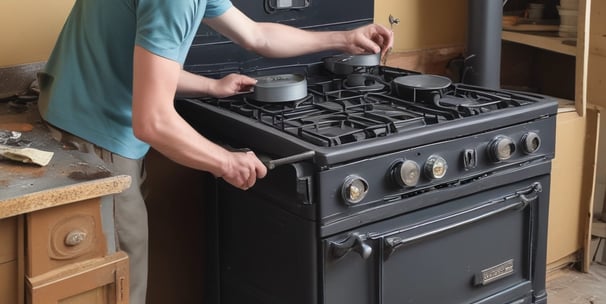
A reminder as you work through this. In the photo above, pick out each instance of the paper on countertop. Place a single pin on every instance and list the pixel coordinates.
(26, 155)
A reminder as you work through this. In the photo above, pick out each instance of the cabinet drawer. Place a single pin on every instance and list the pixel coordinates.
(8, 239)
(95, 281)
(64, 235)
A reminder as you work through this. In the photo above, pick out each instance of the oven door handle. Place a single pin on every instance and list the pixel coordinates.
(354, 242)
(524, 197)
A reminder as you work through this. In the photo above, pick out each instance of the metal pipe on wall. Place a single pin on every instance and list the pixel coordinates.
(484, 43)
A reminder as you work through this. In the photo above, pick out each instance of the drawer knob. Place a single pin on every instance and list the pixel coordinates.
(75, 237)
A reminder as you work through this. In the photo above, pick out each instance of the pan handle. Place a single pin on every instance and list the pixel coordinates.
(272, 163)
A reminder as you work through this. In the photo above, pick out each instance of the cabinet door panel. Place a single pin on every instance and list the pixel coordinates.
(8, 239)
(96, 281)
(8, 282)
(64, 235)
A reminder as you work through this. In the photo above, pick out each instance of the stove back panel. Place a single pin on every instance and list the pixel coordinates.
(214, 55)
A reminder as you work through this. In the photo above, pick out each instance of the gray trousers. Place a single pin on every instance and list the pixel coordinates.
(130, 212)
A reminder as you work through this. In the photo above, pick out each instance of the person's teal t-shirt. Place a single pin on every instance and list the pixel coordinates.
(86, 86)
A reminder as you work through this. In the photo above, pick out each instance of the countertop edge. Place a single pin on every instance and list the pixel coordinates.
(63, 195)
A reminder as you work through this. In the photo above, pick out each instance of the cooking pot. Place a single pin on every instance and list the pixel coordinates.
(346, 64)
(422, 87)
(280, 88)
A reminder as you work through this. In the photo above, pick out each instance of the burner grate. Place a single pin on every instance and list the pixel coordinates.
(342, 109)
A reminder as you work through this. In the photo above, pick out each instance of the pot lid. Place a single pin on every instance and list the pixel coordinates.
(423, 81)
(356, 60)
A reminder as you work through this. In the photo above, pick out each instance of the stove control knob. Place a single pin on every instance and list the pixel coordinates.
(436, 167)
(501, 148)
(406, 173)
(531, 142)
(354, 189)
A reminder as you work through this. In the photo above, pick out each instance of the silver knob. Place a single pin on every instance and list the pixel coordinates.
(406, 173)
(354, 189)
(501, 148)
(531, 142)
(75, 238)
(436, 167)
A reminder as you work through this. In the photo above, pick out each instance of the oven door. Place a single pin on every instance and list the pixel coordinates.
(488, 247)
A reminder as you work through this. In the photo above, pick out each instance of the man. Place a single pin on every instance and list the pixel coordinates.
(109, 85)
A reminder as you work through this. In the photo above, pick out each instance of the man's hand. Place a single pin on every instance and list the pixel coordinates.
(243, 169)
(369, 39)
(231, 84)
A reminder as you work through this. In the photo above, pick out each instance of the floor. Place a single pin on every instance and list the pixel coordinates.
(573, 287)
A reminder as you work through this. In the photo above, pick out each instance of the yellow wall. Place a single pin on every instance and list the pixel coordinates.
(424, 23)
(29, 29)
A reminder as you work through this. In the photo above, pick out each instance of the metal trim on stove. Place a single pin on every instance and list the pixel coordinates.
(284, 144)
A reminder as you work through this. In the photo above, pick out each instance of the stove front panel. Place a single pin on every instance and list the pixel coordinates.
(469, 161)
(488, 247)
(485, 247)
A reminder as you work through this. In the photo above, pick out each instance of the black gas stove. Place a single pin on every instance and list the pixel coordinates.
(400, 187)
(375, 113)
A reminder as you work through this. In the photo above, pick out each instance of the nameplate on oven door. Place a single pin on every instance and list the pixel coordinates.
(495, 273)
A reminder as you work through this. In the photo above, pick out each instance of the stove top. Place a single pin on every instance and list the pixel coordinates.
(368, 107)
(373, 103)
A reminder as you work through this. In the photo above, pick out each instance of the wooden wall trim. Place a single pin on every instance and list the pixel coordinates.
(428, 61)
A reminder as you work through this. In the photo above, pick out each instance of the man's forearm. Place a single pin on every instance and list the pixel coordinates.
(191, 85)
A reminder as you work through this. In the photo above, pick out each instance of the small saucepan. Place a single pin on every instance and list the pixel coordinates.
(421, 87)
(346, 64)
(280, 88)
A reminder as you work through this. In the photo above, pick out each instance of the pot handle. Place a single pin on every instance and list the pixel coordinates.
(272, 163)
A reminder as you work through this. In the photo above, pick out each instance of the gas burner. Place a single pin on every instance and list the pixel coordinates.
(364, 82)
(469, 100)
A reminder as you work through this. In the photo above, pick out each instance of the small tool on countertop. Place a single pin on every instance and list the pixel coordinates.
(392, 21)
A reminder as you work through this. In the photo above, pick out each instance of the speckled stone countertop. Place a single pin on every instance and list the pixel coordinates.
(70, 176)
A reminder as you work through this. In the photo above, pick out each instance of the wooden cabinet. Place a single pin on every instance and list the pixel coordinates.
(547, 63)
(67, 257)
(56, 226)
(60, 254)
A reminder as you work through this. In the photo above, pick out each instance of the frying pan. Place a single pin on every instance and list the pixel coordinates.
(280, 88)
(418, 87)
